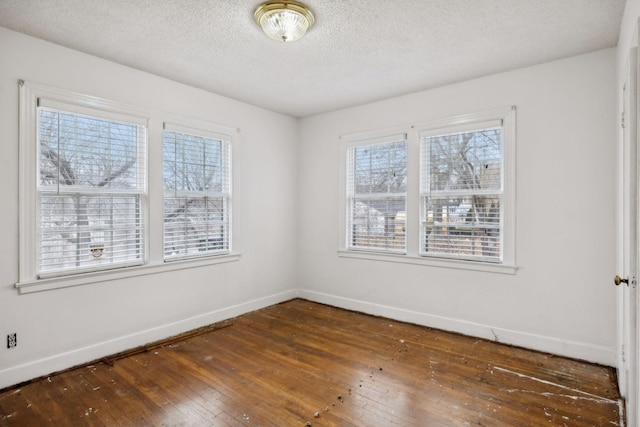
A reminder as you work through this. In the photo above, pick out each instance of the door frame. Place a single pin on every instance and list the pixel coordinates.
(628, 264)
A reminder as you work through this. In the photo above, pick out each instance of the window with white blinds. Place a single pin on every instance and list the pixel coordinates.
(101, 182)
(376, 195)
(439, 193)
(462, 189)
(197, 193)
(91, 189)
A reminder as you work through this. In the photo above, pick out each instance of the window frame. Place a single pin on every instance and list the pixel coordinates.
(428, 194)
(507, 115)
(351, 195)
(226, 193)
(28, 280)
(139, 191)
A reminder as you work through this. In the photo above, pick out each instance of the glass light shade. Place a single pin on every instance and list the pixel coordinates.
(284, 21)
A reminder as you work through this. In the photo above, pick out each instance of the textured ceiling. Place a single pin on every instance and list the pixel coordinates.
(358, 51)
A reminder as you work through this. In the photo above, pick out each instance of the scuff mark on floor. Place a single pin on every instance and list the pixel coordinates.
(592, 396)
(602, 400)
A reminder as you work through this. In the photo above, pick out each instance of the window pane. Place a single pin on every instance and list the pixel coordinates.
(465, 227)
(85, 230)
(83, 151)
(380, 168)
(193, 163)
(378, 223)
(463, 161)
(195, 225)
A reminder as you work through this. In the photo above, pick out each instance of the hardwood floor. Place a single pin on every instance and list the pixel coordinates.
(300, 363)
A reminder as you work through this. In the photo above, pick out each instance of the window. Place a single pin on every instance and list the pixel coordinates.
(462, 191)
(439, 193)
(197, 193)
(376, 189)
(91, 190)
(103, 184)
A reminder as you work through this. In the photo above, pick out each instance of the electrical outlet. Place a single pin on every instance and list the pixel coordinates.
(12, 340)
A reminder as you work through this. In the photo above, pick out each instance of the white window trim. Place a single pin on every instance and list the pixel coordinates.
(366, 138)
(430, 262)
(412, 256)
(28, 280)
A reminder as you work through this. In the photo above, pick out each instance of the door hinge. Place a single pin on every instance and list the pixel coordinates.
(622, 120)
(622, 353)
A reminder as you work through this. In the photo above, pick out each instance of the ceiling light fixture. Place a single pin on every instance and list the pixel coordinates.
(284, 21)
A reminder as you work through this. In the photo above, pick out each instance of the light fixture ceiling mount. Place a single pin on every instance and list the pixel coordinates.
(284, 21)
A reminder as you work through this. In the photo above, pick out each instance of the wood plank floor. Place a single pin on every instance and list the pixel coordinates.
(300, 363)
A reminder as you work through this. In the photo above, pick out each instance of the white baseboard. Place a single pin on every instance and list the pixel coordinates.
(576, 350)
(59, 362)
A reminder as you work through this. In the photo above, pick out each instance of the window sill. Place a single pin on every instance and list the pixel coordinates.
(38, 285)
(431, 262)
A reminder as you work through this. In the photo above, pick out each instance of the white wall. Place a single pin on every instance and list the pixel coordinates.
(561, 299)
(60, 328)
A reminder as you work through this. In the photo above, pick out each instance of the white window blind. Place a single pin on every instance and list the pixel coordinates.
(376, 193)
(197, 194)
(462, 193)
(91, 191)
